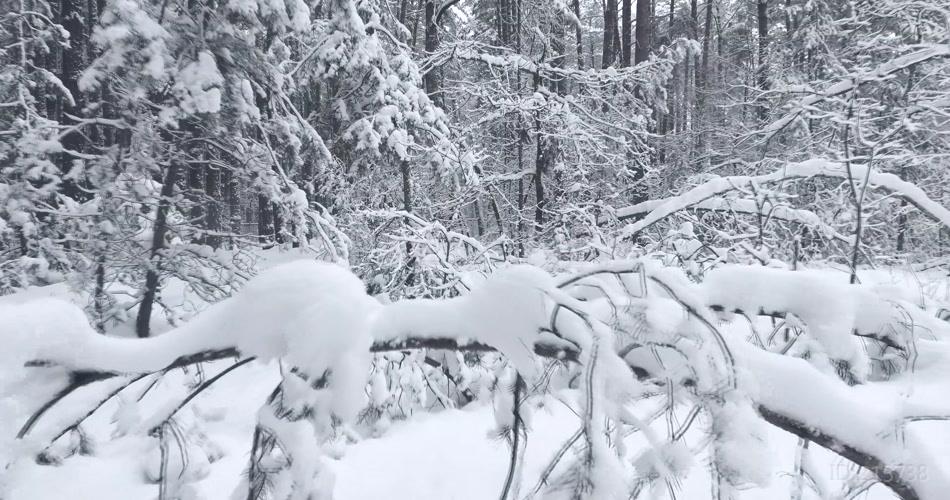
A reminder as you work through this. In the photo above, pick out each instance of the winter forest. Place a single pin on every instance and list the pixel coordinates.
(474, 249)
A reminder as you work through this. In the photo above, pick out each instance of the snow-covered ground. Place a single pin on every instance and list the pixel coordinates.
(451, 455)
(448, 454)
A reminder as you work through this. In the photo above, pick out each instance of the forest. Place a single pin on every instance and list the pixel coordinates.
(515, 249)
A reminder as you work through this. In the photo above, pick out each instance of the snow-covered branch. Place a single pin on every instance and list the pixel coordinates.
(739, 206)
(818, 167)
(879, 73)
(325, 325)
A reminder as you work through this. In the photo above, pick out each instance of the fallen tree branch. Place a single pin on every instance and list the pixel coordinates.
(818, 167)
(886, 459)
(201, 388)
(737, 206)
(82, 378)
(885, 339)
(879, 73)
(887, 474)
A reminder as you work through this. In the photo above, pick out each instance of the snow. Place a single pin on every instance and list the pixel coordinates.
(39, 329)
(831, 311)
(816, 167)
(743, 206)
(317, 317)
(449, 455)
(507, 311)
(794, 388)
(838, 88)
(197, 86)
(318, 304)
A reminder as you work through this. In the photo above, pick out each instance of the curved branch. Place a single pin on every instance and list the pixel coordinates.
(888, 340)
(443, 9)
(845, 425)
(888, 474)
(79, 379)
(818, 167)
(854, 81)
(201, 388)
(76, 380)
(739, 206)
(550, 350)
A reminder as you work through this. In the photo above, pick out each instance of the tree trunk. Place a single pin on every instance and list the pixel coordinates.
(415, 24)
(501, 10)
(902, 227)
(626, 25)
(407, 207)
(579, 35)
(788, 20)
(152, 276)
(540, 166)
(762, 11)
(402, 11)
(72, 13)
(610, 28)
(278, 223)
(702, 81)
(99, 294)
(431, 76)
(643, 32)
(264, 232)
(212, 220)
(559, 53)
(196, 196)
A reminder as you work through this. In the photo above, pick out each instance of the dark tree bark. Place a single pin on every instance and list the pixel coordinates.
(540, 166)
(196, 195)
(578, 35)
(402, 11)
(159, 230)
(415, 23)
(559, 53)
(788, 20)
(405, 170)
(431, 76)
(703, 77)
(610, 34)
(902, 227)
(264, 231)
(762, 76)
(702, 80)
(278, 224)
(212, 221)
(501, 8)
(644, 32)
(626, 40)
(73, 15)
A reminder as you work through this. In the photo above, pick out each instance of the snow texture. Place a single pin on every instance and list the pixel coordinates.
(818, 167)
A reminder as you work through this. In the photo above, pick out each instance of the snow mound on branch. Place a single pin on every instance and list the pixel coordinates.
(47, 328)
(285, 312)
(197, 85)
(41, 329)
(313, 315)
(506, 311)
(833, 310)
(44, 329)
